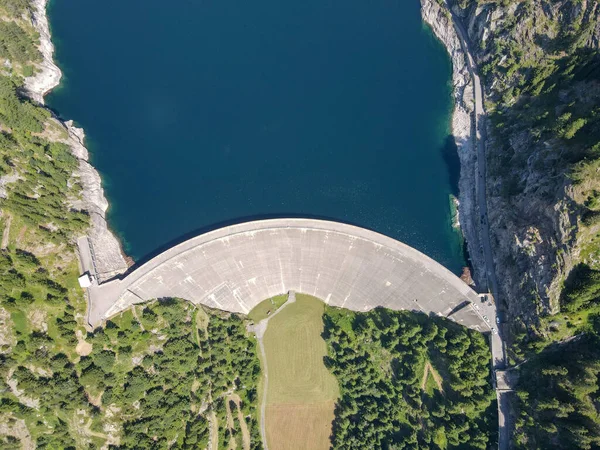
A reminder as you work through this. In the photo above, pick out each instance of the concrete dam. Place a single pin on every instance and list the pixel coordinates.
(236, 267)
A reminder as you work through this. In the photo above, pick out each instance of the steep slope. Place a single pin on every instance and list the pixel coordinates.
(540, 65)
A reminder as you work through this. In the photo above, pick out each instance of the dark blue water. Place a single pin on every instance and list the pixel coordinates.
(199, 112)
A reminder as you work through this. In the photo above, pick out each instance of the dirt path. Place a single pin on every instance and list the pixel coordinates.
(84, 428)
(6, 231)
(17, 429)
(429, 370)
(83, 347)
(259, 330)
(21, 234)
(243, 426)
(230, 424)
(213, 435)
(201, 323)
(135, 315)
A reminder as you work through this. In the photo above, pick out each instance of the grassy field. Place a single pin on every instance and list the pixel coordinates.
(266, 308)
(302, 392)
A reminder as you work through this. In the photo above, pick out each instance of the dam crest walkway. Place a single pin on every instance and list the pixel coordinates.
(236, 267)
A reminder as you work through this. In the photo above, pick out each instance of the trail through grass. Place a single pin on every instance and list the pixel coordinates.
(301, 392)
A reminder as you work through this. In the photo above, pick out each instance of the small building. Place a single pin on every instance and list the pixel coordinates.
(85, 280)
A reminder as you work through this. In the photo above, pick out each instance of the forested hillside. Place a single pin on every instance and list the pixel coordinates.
(409, 381)
(540, 64)
(165, 375)
(558, 396)
(541, 67)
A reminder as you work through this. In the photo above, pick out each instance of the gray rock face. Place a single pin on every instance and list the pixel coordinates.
(109, 257)
(48, 75)
(236, 267)
(533, 212)
(462, 129)
(107, 249)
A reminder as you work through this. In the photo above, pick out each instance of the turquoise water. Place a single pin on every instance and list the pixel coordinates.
(202, 112)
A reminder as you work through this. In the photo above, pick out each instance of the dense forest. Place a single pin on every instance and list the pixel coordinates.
(158, 376)
(381, 360)
(558, 395)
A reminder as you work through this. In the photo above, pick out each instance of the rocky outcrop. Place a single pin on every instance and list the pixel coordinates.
(109, 257)
(533, 214)
(440, 22)
(48, 74)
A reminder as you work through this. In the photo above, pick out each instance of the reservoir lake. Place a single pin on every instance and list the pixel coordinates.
(201, 113)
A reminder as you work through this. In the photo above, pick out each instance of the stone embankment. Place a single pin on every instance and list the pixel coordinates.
(109, 258)
(441, 24)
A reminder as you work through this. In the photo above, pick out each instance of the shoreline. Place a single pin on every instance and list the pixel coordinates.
(440, 23)
(108, 253)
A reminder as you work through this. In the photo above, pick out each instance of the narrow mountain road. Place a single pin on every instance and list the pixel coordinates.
(481, 136)
(497, 344)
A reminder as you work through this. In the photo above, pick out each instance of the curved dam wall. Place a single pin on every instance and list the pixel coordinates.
(236, 267)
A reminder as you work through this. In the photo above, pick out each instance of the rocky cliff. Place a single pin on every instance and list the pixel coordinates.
(109, 257)
(440, 22)
(539, 66)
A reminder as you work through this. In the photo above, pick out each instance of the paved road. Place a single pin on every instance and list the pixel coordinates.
(481, 136)
(487, 309)
(497, 345)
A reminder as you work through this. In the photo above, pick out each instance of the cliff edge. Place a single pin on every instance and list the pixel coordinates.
(109, 257)
(540, 66)
(438, 18)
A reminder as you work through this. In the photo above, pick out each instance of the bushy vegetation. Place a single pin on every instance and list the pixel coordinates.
(43, 169)
(17, 45)
(24, 281)
(153, 379)
(16, 8)
(18, 114)
(379, 360)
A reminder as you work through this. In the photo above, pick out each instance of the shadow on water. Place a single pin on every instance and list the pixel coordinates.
(226, 223)
(450, 156)
(452, 161)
